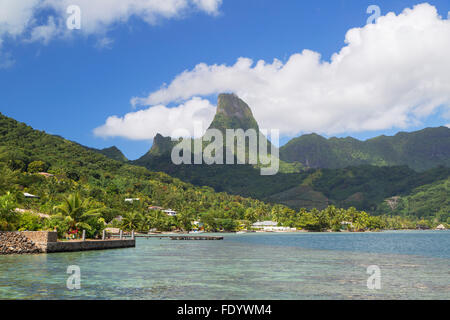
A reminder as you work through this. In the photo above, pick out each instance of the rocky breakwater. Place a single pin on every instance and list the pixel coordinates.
(16, 243)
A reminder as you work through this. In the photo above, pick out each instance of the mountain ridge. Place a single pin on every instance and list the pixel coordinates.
(364, 187)
(421, 150)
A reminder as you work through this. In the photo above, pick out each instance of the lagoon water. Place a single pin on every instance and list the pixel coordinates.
(413, 264)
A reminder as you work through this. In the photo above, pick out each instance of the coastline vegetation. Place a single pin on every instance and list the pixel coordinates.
(76, 188)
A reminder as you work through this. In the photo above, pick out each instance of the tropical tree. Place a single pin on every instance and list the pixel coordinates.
(184, 219)
(361, 221)
(132, 221)
(8, 217)
(77, 212)
(6, 178)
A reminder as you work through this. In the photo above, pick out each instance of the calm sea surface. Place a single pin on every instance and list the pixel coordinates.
(414, 265)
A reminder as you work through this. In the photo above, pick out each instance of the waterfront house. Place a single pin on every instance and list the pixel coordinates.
(263, 224)
(440, 227)
(270, 226)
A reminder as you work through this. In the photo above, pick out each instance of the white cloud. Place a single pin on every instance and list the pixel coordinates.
(19, 18)
(45, 33)
(145, 124)
(15, 16)
(390, 74)
(99, 15)
(210, 6)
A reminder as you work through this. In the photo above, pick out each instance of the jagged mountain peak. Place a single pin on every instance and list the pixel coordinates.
(233, 113)
(161, 145)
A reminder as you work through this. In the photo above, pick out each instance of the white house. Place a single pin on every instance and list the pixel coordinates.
(264, 224)
(131, 199)
(271, 226)
(30, 196)
(170, 213)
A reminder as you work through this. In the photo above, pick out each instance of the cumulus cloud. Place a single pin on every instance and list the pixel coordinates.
(45, 33)
(15, 16)
(210, 6)
(19, 19)
(389, 74)
(99, 15)
(145, 124)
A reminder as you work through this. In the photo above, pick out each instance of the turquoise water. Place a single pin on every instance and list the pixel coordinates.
(414, 265)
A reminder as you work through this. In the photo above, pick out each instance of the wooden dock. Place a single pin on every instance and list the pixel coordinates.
(173, 237)
(195, 238)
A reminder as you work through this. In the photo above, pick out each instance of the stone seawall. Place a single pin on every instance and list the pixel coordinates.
(41, 237)
(47, 242)
(17, 243)
(70, 246)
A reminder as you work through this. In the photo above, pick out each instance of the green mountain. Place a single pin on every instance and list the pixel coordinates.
(112, 153)
(420, 150)
(24, 152)
(161, 146)
(332, 175)
(233, 113)
(427, 201)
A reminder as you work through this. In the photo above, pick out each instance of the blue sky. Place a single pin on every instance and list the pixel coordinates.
(70, 86)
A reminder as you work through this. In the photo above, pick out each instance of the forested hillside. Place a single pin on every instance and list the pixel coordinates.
(79, 188)
(25, 152)
(420, 150)
(318, 172)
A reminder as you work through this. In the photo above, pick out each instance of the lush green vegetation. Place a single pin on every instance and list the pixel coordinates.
(431, 202)
(381, 169)
(367, 187)
(86, 190)
(420, 150)
(93, 176)
(364, 187)
(75, 214)
(332, 218)
(112, 153)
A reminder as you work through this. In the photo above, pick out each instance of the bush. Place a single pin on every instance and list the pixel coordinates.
(29, 222)
(8, 216)
(37, 166)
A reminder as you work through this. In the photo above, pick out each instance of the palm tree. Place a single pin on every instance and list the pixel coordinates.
(361, 221)
(77, 212)
(132, 221)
